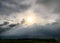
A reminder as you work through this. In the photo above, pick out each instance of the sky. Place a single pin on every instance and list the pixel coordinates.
(29, 19)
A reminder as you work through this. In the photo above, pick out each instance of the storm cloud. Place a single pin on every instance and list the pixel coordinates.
(48, 9)
(11, 6)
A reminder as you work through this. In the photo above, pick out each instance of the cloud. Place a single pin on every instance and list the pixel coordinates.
(6, 27)
(51, 6)
(46, 9)
(11, 6)
(34, 31)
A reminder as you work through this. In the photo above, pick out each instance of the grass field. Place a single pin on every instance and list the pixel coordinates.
(30, 41)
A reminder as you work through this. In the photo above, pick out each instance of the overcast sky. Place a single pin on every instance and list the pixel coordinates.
(48, 10)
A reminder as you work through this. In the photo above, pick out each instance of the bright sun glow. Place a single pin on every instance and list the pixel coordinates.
(32, 18)
(29, 17)
(29, 20)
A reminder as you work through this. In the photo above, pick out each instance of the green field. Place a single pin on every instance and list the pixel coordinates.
(30, 41)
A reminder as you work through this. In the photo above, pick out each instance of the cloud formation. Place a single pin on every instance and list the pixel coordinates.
(49, 10)
(11, 6)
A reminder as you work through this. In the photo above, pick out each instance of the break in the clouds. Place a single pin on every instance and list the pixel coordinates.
(47, 12)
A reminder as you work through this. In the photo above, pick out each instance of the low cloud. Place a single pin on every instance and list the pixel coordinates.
(34, 31)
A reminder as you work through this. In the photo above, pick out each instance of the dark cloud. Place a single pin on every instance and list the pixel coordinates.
(35, 31)
(5, 23)
(11, 6)
(46, 8)
(6, 26)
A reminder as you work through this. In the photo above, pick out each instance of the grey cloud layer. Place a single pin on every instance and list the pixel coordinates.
(11, 6)
(35, 31)
(46, 8)
(51, 5)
